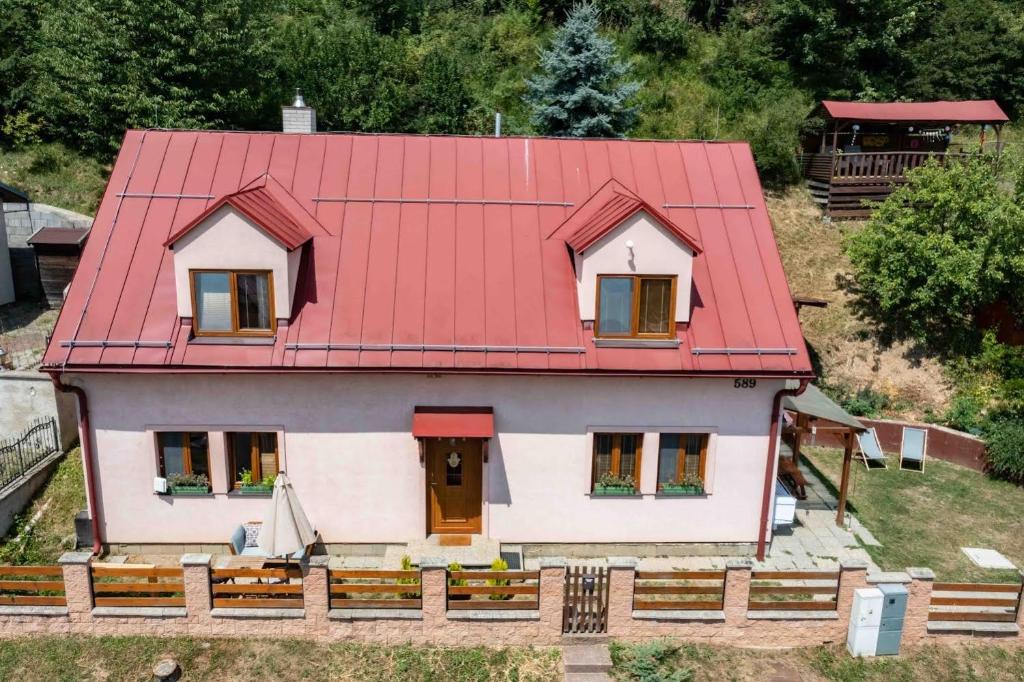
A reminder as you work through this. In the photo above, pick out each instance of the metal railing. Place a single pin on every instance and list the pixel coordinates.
(20, 453)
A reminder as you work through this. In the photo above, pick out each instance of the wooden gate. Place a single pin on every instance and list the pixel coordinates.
(586, 599)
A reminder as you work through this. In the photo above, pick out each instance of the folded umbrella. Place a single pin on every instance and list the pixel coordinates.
(285, 528)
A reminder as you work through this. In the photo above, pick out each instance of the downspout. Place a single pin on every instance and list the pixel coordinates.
(90, 480)
(769, 467)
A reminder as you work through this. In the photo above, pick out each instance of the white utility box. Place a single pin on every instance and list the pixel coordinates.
(865, 619)
(785, 506)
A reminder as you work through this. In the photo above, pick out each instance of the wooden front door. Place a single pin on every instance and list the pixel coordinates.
(454, 485)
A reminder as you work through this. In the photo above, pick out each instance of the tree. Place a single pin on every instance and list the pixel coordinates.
(938, 249)
(582, 89)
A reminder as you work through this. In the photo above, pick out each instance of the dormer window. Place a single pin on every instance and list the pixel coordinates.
(233, 302)
(635, 306)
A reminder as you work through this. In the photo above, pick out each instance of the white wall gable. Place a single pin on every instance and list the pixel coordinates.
(228, 240)
(656, 251)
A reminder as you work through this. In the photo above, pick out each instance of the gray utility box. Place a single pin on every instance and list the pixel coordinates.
(890, 630)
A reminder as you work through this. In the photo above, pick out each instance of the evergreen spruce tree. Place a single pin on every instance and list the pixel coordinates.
(582, 90)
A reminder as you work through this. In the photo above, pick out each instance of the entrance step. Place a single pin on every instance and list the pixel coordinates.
(587, 677)
(478, 552)
(587, 658)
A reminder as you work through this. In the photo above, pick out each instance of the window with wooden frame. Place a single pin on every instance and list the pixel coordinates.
(253, 452)
(617, 459)
(682, 459)
(636, 306)
(233, 302)
(183, 454)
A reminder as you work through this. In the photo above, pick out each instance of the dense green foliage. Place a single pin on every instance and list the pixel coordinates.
(79, 72)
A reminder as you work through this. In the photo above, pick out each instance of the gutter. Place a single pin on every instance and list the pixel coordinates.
(769, 466)
(86, 440)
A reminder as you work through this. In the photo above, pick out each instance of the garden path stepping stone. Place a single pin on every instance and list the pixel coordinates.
(987, 558)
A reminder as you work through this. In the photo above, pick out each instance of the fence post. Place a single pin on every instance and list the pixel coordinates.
(621, 579)
(552, 596)
(915, 622)
(77, 569)
(735, 602)
(316, 598)
(434, 592)
(198, 599)
(853, 575)
(1020, 607)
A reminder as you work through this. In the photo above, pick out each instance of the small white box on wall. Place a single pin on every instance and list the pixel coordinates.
(159, 485)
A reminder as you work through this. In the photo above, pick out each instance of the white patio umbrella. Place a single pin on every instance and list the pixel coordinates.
(285, 528)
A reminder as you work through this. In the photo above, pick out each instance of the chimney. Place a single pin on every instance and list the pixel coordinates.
(298, 118)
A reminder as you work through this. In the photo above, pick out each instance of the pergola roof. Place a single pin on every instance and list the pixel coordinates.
(972, 111)
(814, 403)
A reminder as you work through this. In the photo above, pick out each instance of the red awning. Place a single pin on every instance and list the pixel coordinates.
(453, 422)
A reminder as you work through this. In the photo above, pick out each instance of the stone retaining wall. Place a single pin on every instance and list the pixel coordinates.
(734, 625)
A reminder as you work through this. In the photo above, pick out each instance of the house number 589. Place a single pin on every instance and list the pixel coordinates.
(744, 383)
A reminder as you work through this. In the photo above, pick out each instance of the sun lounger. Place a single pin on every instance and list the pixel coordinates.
(912, 448)
(871, 450)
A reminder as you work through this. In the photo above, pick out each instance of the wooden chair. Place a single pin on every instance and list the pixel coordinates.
(870, 450)
(913, 448)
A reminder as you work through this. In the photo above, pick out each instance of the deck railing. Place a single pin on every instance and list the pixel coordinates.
(493, 590)
(678, 590)
(794, 590)
(256, 588)
(121, 585)
(20, 453)
(869, 165)
(375, 589)
(32, 586)
(978, 602)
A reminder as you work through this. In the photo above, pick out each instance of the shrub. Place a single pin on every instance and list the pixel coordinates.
(652, 662)
(864, 402)
(407, 566)
(499, 565)
(1005, 440)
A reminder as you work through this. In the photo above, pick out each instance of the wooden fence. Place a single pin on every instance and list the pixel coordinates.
(256, 588)
(678, 590)
(794, 591)
(989, 602)
(375, 589)
(132, 585)
(32, 586)
(493, 590)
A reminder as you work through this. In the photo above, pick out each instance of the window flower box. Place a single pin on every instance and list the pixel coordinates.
(255, 489)
(607, 489)
(190, 490)
(681, 489)
(188, 484)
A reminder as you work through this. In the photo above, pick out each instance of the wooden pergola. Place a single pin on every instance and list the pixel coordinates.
(814, 412)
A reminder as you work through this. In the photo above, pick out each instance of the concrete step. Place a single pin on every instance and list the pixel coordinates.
(587, 658)
(587, 677)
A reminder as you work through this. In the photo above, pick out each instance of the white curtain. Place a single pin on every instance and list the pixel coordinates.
(213, 301)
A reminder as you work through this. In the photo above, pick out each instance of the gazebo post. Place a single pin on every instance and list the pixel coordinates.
(844, 483)
(798, 434)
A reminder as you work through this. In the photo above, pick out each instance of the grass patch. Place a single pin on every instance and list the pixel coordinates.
(933, 663)
(53, 174)
(924, 519)
(53, 533)
(226, 660)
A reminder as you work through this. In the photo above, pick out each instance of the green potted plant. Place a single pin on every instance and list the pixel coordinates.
(499, 565)
(613, 484)
(248, 486)
(407, 566)
(188, 484)
(456, 582)
(691, 484)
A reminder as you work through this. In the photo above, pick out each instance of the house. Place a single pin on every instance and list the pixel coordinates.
(535, 341)
(12, 195)
(864, 149)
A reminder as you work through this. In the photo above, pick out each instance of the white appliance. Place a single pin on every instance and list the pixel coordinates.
(865, 619)
(159, 485)
(785, 506)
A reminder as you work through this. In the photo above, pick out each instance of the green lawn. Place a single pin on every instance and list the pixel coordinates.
(53, 174)
(924, 519)
(664, 662)
(225, 660)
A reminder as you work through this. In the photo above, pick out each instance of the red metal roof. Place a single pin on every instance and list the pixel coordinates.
(606, 210)
(268, 205)
(973, 111)
(429, 253)
(428, 422)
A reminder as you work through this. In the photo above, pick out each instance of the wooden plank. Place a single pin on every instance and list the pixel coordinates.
(792, 606)
(794, 575)
(976, 587)
(566, 604)
(470, 604)
(139, 601)
(238, 603)
(680, 575)
(973, 615)
(678, 605)
(32, 600)
(360, 573)
(257, 588)
(678, 589)
(31, 585)
(492, 589)
(118, 571)
(151, 588)
(376, 603)
(31, 570)
(265, 573)
(973, 601)
(495, 575)
(362, 588)
(792, 590)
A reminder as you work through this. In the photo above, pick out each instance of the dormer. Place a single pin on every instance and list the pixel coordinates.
(633, 265)
(236, 265)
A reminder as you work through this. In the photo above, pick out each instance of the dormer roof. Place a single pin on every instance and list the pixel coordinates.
(606, 209)
(267, 204)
